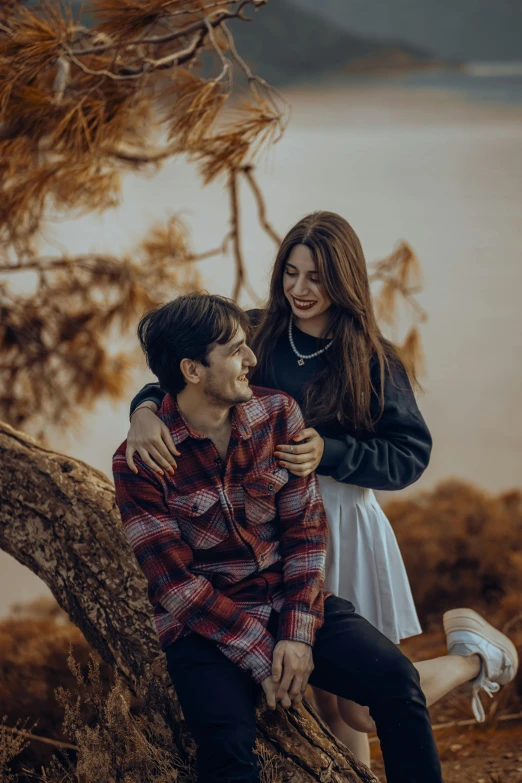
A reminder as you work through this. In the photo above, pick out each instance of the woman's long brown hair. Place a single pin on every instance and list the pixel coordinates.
(343, 389)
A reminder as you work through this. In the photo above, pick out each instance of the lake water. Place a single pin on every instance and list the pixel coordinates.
(408, 159)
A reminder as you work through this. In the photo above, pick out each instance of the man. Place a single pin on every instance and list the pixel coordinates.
(233, 548)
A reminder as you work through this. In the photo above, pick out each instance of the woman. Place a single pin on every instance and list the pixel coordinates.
(318, 340)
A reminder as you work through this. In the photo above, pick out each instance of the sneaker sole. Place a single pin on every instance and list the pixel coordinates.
(468, 620)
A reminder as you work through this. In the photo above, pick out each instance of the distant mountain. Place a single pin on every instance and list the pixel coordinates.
(287, 45)
(450, 29)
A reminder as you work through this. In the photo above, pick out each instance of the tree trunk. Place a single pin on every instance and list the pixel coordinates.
(60, 519)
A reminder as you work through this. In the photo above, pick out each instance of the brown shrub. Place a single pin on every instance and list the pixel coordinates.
(117, 742)
(462, 547)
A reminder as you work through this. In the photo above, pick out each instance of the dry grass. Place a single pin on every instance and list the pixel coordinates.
(11, 745)
(35, 643)
(50, 674)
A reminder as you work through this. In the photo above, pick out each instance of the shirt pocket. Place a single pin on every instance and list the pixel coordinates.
(200, 518)
(260, 495)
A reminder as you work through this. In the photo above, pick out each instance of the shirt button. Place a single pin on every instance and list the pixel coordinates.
(261, 557)
(195, 507)
(271, 487)
(217, 460)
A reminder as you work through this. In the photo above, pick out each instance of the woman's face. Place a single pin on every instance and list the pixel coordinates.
(301, 285)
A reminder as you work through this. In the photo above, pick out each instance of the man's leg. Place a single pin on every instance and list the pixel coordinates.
(218, 701)
(356, 661)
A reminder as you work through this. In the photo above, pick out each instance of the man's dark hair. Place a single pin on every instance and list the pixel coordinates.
(187, 328)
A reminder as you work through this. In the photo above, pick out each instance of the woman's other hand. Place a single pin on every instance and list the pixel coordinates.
(304, 458)
(150, 437)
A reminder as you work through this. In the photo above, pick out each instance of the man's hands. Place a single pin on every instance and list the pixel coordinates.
(292, 665)
(270, 688)
(304, 458)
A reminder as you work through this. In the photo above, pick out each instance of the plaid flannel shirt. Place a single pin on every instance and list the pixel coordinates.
(221, 545)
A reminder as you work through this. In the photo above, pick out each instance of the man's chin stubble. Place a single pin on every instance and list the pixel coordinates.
(245, 397)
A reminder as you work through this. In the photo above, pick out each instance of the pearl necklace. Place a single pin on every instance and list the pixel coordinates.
(303, 356)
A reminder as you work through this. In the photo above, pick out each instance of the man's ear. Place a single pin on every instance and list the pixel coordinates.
(191, 371)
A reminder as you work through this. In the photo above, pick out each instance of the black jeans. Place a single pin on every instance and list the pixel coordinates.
(352, 659)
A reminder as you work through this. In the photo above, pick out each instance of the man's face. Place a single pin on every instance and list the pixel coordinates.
(225, 381)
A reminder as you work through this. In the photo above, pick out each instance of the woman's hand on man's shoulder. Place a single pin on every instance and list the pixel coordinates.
(151, 438)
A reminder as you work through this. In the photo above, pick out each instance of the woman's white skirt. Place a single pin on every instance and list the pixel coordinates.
(363, 563)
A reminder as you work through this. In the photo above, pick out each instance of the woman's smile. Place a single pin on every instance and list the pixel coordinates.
(304, 304)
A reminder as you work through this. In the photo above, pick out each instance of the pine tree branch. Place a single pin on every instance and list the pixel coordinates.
(253, 79)
(139, 157)
(407, 292)
(178, 58)
(236, 235)
(184, 12)
(200, 26)
(248, 172)
(49, 263)
(227, 67)
(88, 261)
(217, 251)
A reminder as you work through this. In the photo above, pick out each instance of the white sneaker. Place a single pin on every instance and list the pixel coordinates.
(467, 633)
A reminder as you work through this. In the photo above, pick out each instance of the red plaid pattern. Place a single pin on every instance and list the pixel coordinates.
(223, 545)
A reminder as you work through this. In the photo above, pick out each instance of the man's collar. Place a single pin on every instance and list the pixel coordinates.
(245, 415)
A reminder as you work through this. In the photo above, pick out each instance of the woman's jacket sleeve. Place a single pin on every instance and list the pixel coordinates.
(152, 392)
(393, 455)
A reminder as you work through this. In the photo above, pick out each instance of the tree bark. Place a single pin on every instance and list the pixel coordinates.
(60, 519)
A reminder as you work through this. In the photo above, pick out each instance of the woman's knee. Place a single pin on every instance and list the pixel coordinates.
(326, 704)
(356, 716)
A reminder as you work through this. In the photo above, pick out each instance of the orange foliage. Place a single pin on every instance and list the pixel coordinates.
(54, 342)
(79, 106)
(72, 96)
(398, 280)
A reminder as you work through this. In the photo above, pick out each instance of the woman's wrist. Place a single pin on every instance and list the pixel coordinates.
(149, 404)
